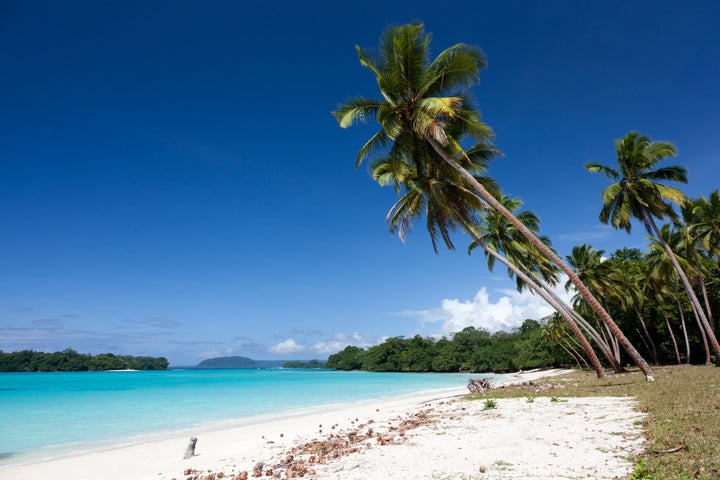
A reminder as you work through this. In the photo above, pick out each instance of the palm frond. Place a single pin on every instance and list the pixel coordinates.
(376, 142)
(455, 69)
(609, 172)
(673, 173)
(673, 194)
(356, 110)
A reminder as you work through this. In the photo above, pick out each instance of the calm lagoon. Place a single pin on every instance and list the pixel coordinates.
(43, 415)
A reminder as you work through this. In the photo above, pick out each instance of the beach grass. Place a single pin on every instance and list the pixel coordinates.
(682, 422)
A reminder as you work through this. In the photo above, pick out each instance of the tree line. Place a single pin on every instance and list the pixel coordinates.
(470, 350)
(309, 364)
(71, 361)
(434, 149)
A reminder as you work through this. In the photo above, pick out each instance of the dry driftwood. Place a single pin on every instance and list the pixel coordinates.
(190, 449)
(478, 385)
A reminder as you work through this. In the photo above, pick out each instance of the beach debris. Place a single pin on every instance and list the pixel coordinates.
(479, 385)
(190, 449)
(307, 457)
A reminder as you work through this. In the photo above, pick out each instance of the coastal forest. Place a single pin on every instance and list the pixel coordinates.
(433, 148)
(639, 293)
(470, 350)
(71, 361)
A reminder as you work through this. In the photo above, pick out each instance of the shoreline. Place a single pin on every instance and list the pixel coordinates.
(80, 449)
(232, 449)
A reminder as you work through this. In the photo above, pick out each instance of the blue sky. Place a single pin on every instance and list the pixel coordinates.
(172, 182)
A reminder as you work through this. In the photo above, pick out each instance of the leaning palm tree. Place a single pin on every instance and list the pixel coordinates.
(705, 223)
(702, 235)
(632, 294)
(595, 273)
(501, 241)
(637, 193)
(502, 236)
(446, 203)
(421, 99)
(555, 331)
(664, 278)
(659, 260)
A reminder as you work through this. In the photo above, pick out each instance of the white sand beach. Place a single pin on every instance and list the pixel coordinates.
(425, 436)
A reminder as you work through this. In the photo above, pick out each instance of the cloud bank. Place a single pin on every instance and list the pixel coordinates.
(506, 312)
(288, 346)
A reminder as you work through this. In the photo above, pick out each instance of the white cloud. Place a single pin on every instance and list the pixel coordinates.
(287, 346)
(339, 341)
(508, 311)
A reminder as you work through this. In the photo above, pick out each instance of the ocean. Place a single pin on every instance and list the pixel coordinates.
(46, 415)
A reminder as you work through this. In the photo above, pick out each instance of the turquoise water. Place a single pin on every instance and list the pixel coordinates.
(44, 414)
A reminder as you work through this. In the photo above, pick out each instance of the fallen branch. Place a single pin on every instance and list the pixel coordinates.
(669, 450)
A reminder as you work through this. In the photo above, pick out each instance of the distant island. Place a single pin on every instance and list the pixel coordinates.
(245, 362)
(228, 362)
(71, 361)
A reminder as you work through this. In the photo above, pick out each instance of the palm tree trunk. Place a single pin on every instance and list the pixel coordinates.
(614, 343)
(579, 356)
(672, 336)
(688, 288)
(653, 350)
(575, 355)
(599, 341)
(708, 358)
(487, 197)
(701, 278)
(642, 339)
(682, 323)
(599, 371)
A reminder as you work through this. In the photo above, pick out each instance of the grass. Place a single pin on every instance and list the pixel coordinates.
(682, 407)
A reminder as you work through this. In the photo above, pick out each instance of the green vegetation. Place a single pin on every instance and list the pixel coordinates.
(304, 364)
(433, 148)
(489, 404)
(682, 410)
(71, 361)
(469, 350)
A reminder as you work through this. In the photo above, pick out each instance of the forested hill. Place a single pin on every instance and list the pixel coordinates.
(228, 362)
(71, 361)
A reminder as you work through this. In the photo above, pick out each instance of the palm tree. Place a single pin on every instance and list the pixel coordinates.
(638, 194)
(662, 274)
(500, 235)
(659, 290)
(629, 276)
(705, 223)
(702, 218)
(660, 260)
(555, 331)
(421, 98)
(595, 273)
(496, 234)
(447, 203)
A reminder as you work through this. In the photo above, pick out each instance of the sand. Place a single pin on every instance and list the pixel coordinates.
(434, 435)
